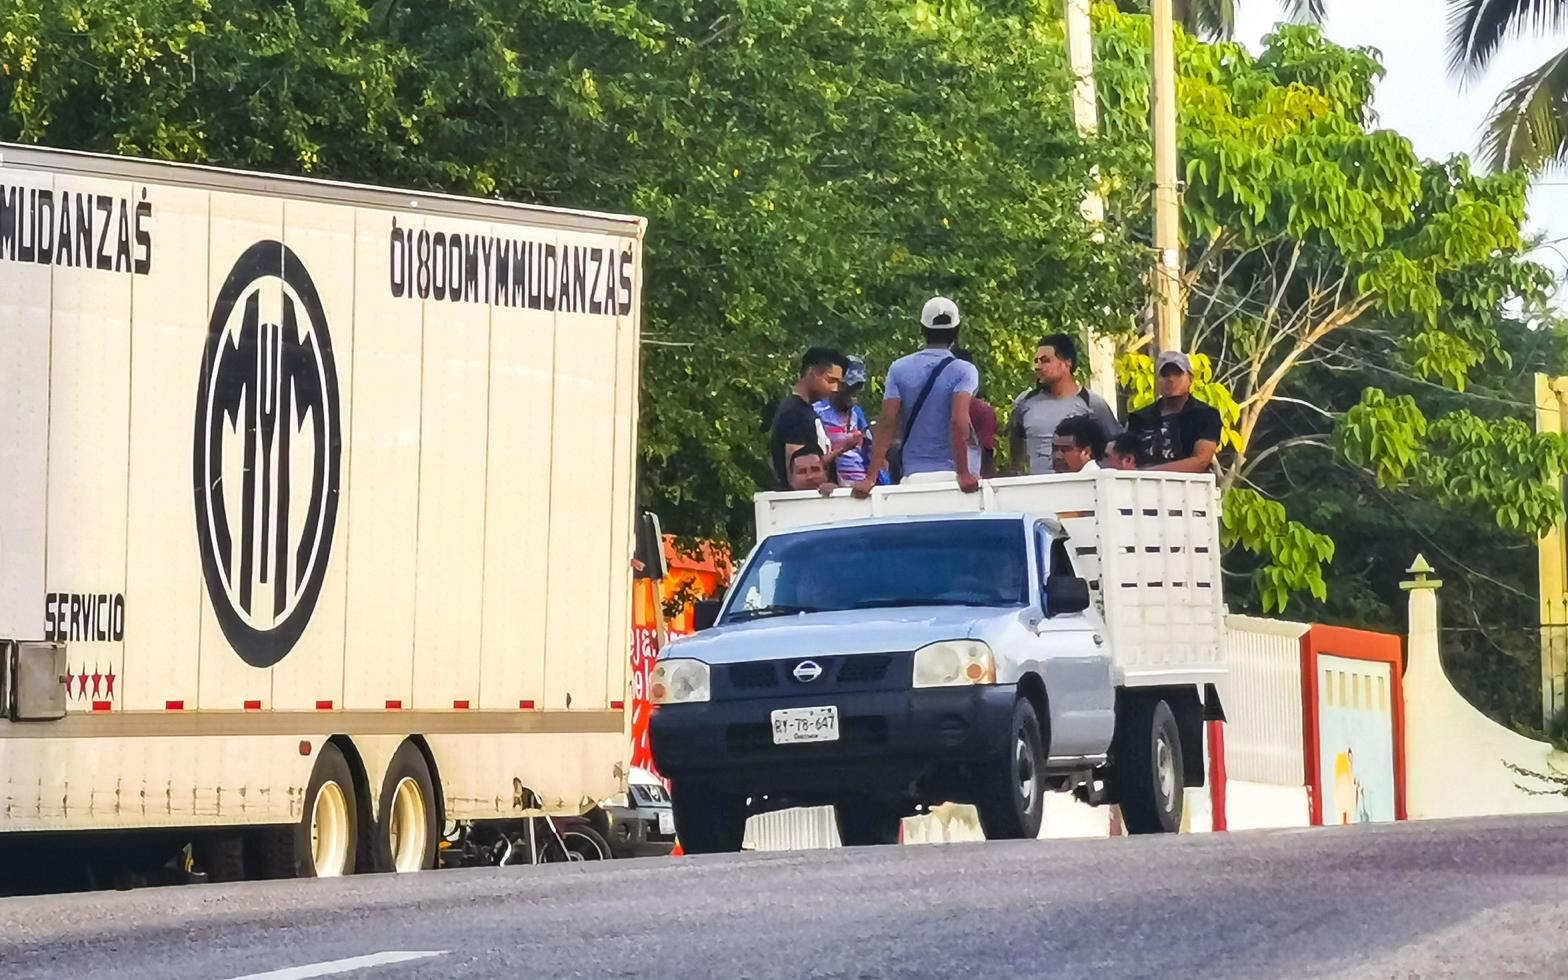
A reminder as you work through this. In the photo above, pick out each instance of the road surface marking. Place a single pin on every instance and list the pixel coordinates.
(343, 966)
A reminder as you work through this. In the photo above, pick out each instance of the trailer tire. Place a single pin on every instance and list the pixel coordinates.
(1148, 770)
(221, 857)
(707, 822)
(1010, 791)
(408, 829)
(867, 822)
(328, 830)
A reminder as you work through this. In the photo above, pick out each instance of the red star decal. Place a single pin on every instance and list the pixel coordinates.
(81, 682)
(70, 679)
(97, 680)
(108, 684)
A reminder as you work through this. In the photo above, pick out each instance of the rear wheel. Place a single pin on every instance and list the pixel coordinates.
(863, 822)
(707, 822)
(1010, 793)
(407, 825)
(1148, 771)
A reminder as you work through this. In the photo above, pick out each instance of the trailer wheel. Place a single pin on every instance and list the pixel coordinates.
(1148, 770)
(323, 843)
(867, 822)
(1010, 792)
(707, 822)
(407, 826)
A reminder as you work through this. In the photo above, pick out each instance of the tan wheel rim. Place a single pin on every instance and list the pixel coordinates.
(408, 826)
(329, 831)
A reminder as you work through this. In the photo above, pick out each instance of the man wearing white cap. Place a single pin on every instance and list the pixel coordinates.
(926, 403)
(1178, 432)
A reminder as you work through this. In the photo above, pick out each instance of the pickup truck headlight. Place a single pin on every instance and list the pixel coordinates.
(954, 663)
(679, 681)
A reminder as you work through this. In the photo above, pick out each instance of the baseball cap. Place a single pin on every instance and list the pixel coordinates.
(856, 374)
(940, 313)
(1169, 357)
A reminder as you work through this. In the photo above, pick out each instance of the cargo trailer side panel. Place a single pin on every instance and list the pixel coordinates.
(163, 567)
(382, 465)
(327, 498)
(517, 507)
(26, 291)
(89, 423)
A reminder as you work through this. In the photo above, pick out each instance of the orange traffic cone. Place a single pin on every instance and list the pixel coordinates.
(677, 850)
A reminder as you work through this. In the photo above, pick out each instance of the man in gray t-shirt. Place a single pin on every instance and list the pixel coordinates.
(941, 438)
(1057, 396)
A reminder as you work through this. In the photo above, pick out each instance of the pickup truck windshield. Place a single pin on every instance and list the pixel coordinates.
(925, 563)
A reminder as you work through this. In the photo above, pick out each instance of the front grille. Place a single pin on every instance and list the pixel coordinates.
(863, 669)
(747, 677)
(859, 672)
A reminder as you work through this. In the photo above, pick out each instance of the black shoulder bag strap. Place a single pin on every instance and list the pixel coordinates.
(914, 410)
(895, 457)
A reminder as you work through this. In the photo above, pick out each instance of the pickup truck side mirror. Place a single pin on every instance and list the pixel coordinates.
(705, 612)
(1065, 594)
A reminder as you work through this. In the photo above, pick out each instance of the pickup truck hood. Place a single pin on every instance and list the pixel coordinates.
(823, 634)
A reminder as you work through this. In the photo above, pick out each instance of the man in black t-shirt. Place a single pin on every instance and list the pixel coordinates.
(795, 423)
(1178, 432)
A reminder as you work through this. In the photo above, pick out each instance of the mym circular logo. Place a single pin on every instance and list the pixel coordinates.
(268, 448)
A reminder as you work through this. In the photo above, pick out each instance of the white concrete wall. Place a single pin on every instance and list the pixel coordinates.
(1262, 698)
(1456, 758)
(1256, 806)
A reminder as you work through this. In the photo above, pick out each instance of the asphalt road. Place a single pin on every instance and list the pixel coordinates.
(1483, 898)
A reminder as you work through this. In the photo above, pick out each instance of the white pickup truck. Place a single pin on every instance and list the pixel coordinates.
(1047, 633)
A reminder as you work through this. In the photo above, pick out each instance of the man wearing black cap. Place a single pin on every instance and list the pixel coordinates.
(1178, 432)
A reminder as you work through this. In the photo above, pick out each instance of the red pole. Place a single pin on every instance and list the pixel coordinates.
(1217, 773)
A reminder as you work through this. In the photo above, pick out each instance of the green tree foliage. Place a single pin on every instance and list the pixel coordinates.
(1491, 644)
(811, 172)
(1216, 19)
(1311, 235)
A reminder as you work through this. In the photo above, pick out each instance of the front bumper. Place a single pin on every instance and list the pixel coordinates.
(890, 742)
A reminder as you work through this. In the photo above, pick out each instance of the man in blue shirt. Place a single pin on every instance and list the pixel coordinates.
(926, 402)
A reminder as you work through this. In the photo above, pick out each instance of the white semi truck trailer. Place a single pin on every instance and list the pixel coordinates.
(316, 511)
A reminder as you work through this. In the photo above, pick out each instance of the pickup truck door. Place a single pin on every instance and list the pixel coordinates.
(1076, 660)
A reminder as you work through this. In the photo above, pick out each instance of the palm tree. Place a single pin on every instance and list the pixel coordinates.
(1526, 127)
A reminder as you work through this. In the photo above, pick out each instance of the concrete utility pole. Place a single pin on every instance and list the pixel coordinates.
(1168, 306)
(1080, 56)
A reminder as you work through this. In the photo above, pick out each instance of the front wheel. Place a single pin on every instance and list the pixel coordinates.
(1010, 794)
(707, 822)
(1148, 772)
(325, 841)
